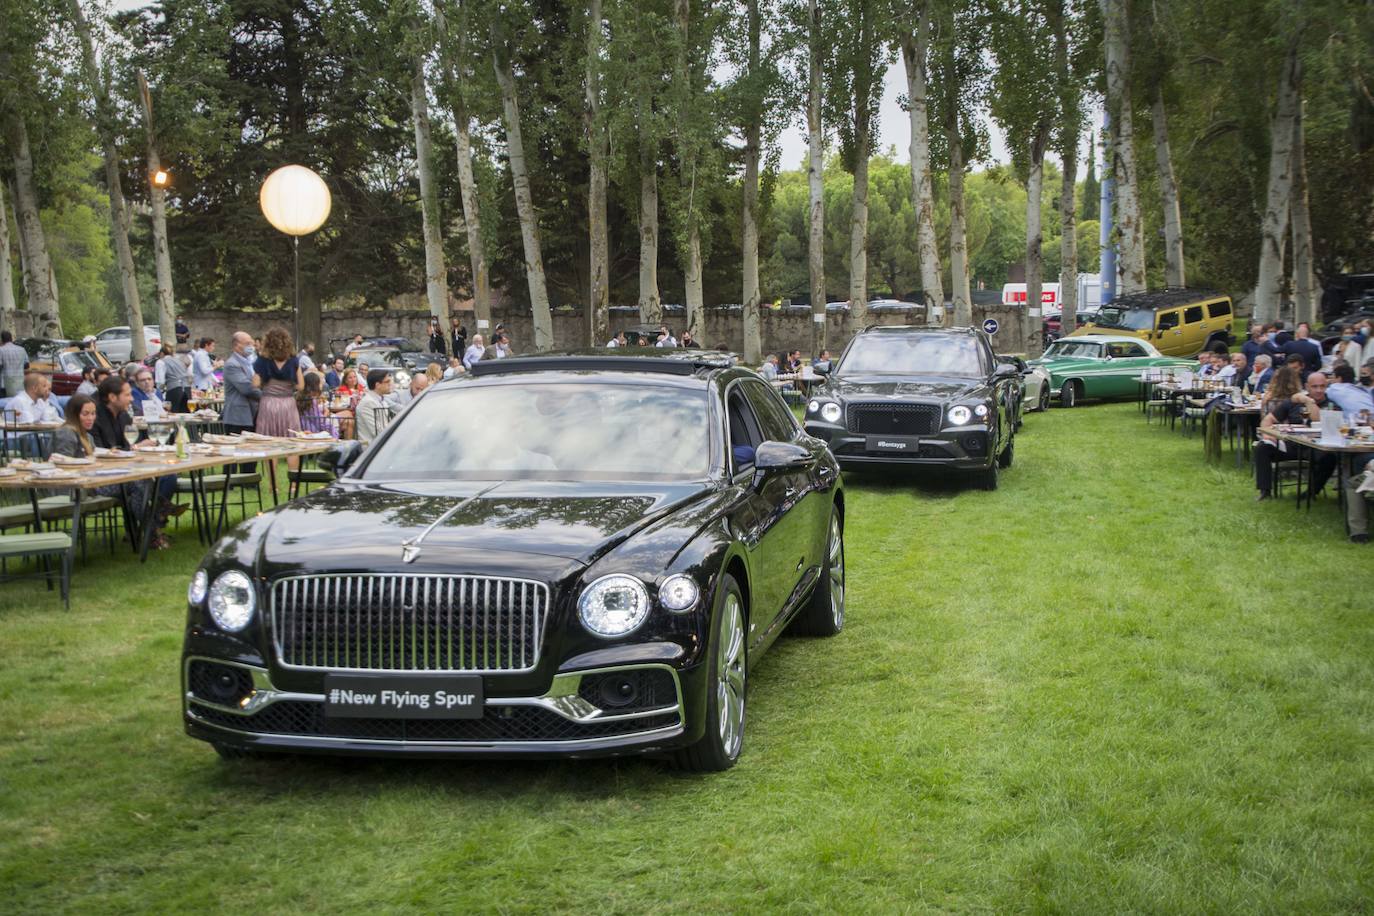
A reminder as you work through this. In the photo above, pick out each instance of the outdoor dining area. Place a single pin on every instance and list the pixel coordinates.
(52, 506)
(1331, 442)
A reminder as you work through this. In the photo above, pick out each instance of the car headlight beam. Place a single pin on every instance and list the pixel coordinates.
(613, 606)
(232, 601)
(959, 415)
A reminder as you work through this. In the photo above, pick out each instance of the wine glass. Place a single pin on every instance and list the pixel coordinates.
(131, 434)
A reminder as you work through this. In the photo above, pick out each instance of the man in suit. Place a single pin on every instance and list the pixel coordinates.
(240, 397)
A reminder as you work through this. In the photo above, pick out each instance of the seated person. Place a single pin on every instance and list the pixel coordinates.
(1261, 374)
(145, 392)
(32, 405)
(1355, 402)
(822, 362)
(1288, 404)
(769, 370)
(1234, 371)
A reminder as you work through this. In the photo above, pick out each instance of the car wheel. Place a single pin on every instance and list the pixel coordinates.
(987, 478)
(1068, 395)
(824, 613)
(1044, 396)
(1004, 459)
(726, 687)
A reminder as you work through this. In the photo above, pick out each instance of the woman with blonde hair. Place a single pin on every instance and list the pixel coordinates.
(277, 374)
(435, 373)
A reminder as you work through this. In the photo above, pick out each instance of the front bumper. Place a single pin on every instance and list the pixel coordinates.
(570, 718)
(958, 447)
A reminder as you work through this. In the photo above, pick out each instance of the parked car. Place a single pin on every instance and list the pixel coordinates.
(62, 360)
(919, 397)
(1100, 366)
(1035, 381)
(598, 579)
(1179, 322)
(1053, 320)
(117, 343)
(388, 358)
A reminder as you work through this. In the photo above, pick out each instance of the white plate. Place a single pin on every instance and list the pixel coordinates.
(64, 460)
(111, 455)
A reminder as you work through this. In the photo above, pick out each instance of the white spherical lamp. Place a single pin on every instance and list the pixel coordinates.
(295, 200)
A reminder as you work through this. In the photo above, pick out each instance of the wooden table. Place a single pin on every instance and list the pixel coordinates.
(153, 465)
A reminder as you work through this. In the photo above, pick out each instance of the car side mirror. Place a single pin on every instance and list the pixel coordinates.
(340, 457)
(821, 369)
(775, 456)
(1005, 370)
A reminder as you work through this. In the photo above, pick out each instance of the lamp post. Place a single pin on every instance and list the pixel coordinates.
(296, 202)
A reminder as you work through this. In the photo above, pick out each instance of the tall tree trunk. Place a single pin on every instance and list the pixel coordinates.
(162, 258)
(1035, 264)
(915, 47)
(650, 305)
(688, 171)
(1174, 274)
(815, 175)
(1130, 230)
(962, 311)
(467, 182)
(1282, 131)
(119, 213)
(749, 229)
(7, 304)
(524, 203)
(23, 248)
(1068, 234)
(599, 287)
(1300, 215)
(858, 230)
(436, 272)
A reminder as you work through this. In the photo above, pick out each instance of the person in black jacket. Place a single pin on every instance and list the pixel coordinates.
(458, 336)
(437, 343)
(1303, 345)
(112, 417)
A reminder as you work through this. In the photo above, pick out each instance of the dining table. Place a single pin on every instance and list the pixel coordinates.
(1307, 441)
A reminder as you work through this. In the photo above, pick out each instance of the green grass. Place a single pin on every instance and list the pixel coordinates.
(1115, 684)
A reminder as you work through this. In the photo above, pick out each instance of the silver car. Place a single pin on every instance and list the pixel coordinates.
(117, 343)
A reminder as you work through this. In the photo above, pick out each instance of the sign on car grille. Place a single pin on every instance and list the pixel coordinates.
(387, 622)
(893, 419)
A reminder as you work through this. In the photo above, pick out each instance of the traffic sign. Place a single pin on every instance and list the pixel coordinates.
(990, 325)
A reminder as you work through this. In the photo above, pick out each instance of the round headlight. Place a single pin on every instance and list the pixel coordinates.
(813, 406)
(981, 410)
(232, 601)
(678, 593)
(200, 584)
(959, 415)
(830, 413)
(613, 605)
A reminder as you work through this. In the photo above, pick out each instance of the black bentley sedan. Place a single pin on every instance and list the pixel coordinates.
(914, 396)
(561, 555)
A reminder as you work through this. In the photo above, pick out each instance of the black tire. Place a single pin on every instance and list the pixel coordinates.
(1008, 453)
(1045, 397)
(1068, 395)
(987, 477)
(720, 745)
(824, 613)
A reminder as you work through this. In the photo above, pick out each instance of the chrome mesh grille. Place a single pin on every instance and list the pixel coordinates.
(389, 622)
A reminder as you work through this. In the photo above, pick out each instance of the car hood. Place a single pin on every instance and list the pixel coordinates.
(928, 387)
(1068, 363)
(531, 525)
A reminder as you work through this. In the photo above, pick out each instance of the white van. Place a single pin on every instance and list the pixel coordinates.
(1015, 294)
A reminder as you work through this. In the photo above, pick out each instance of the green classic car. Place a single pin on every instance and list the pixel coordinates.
(1101, 366)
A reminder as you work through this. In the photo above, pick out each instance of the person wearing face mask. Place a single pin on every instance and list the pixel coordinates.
(1367, 373)
(1348, 348)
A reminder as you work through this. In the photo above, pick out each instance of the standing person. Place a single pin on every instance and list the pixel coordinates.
(240, 395)
(203, 364)
(689, 342)
(1348, 347)
(183, 333)
(437, 344)
(500, 346)
(458, 337)
(357, 342)
(473, 355)
(306, 358)
(13, 362)
(1303, 345)
(277, 375)
(1256, 345)
(173, 377)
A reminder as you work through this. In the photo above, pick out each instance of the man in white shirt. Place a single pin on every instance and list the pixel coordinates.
(418, 382)
(616, 341)
(306, 358)
(32, 405)
(203, 364)
(475, 351)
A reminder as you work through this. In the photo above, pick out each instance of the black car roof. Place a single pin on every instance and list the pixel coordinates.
(676, 361)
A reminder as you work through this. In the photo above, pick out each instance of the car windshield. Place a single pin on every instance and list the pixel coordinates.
(1134, 319)
(549, 431)
(912, 354)
(1074, 349)
(406, 345)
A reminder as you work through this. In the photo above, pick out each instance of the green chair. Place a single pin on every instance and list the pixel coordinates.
(43, 545)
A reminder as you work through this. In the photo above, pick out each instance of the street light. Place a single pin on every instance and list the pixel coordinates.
(161, 178)
(296, 202)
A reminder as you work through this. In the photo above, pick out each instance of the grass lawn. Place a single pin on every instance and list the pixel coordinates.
(1115, 684)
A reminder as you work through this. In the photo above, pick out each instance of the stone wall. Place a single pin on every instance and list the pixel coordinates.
(782, 330)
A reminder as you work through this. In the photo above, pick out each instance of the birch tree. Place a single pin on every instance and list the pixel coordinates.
(453, 53)
(1282, 131)
(7, 304)
(520, 178)
(597, 138)
(914, 39)
(1129, 228)
(1070, 61)
(752, 110)
(815, 175)
(1305, 289)
(436, 272)
(157, 196)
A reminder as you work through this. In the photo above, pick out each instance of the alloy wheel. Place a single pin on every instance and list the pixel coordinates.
(836, 570)
(730, 677)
